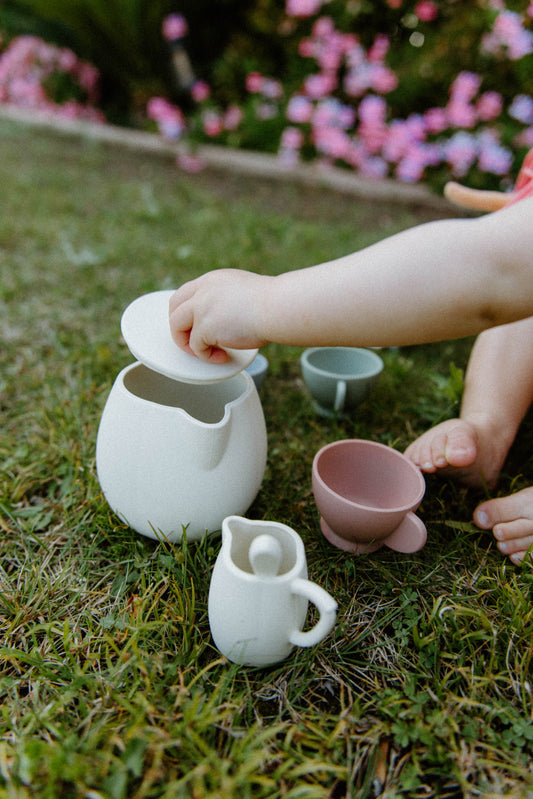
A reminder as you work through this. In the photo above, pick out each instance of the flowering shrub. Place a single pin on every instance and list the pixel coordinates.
(38, 75)
(385, 101)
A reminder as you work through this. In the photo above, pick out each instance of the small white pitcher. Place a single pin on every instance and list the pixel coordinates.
(259, 594)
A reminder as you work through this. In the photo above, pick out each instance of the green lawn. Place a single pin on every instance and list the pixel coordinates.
(110, 685)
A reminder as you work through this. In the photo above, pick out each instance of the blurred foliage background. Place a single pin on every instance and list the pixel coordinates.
(230, 39)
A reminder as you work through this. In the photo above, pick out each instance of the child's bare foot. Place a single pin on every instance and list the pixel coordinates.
(471, 453)
(511, 520)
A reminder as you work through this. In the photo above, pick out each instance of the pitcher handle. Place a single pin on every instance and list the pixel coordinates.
(326, 606)
(340, 396)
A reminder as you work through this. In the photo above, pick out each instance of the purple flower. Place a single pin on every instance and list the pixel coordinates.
(522, 109)
(373, 166)
(508, 34)
(492, 156)
(299, 109)
(460, 152)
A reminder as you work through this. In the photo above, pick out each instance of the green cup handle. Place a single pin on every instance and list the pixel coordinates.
(340, 396)
(327, 608)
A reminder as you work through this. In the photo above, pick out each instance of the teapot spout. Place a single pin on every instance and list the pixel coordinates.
(210, 443)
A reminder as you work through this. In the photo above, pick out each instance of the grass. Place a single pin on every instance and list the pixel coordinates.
(110, 685)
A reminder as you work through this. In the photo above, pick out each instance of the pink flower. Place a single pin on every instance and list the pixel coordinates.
(397, 141)
(200, 91)
(383, 79)
(410, 170)
(254, 82)
(435, 120)
(232, 118)
(89, 78)
(302, 8)
(372, 110)
(324, 26)
(509, 34)
(289, 158)
(307, 48)
(357, 81)
(461, 115)
(190, 163)
(67, 61)
(169, 118)
(27, 64)
(320, 85)
(465, 86)
(330, 56)
(489, 106)
(332, 113)
(426, 11)
(272, 89)
(292, 138)
(299, 109)
(331, 141)
(266, 111)
(212, 123)
(379, 49)
(525, 138)
(373, 167)
(174, 27)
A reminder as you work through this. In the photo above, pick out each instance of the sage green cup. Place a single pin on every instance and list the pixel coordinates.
(339, 378)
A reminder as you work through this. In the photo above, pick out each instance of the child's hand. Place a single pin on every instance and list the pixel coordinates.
(220, 309)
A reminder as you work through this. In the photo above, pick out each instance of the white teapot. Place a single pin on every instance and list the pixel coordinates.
(181, 443)
(259, 593)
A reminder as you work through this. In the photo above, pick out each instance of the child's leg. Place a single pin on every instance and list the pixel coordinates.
(498, 392)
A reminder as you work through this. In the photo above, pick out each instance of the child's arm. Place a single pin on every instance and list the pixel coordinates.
(441, 280)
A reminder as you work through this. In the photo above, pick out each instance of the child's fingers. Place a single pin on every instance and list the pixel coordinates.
(181, 295)
(181, 321)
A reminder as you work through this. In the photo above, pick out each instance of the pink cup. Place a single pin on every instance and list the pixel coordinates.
(366, 494)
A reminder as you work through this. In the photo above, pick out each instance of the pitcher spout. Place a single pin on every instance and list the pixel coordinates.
(240, 537)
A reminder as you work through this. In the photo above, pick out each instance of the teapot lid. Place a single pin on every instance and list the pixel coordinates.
(146, 331)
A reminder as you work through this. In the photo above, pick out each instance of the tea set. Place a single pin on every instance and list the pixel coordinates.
(182, 446)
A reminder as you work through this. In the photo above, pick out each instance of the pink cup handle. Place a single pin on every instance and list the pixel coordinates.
(410, 536)
(327, 608)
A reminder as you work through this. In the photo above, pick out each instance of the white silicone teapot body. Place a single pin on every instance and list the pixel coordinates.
(259, 593)
(177, 453)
